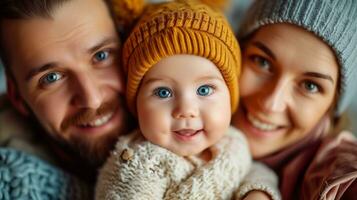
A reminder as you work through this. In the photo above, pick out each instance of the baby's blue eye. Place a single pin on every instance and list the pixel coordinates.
(204, 90)
(51, 78)
(101, 55)
(163, 92)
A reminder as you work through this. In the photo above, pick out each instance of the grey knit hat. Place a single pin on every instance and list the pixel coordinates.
(334, 21)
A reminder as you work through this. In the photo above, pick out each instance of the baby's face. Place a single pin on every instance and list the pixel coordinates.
(183, 104)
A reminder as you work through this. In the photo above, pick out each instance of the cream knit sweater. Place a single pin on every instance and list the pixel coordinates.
(138, 169)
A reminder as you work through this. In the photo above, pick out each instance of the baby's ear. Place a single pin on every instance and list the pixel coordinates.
(221, 5)
(127, 11)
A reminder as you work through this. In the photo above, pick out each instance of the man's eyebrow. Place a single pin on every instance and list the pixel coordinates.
(105, 41)
(319, 75)
(33, 72)
(264, 48)
(52, 65)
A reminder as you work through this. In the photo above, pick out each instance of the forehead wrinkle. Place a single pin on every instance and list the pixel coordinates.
(72, 34)
(66, 40)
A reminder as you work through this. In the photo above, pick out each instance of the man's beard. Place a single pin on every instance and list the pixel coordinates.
(93, 151)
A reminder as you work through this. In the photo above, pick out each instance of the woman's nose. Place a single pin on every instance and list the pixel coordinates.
(276, 96)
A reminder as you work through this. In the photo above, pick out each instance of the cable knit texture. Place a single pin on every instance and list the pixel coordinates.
(262, 178)
(126, 11)
(23, 176)
(152, 172)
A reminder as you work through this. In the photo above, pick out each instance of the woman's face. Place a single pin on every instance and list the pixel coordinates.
(289, 81)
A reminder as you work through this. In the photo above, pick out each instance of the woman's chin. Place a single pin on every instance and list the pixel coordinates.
(259, 151)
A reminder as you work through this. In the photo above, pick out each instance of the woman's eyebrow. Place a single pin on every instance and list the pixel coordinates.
(319, 75)
(264, 48)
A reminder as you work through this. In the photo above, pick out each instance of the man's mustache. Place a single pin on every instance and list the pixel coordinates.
(86, 115)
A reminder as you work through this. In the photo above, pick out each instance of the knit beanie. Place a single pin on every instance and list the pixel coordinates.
(126, 11)
(180, 27)
(335, 22)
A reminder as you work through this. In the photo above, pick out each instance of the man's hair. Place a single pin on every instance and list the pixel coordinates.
(23, 9)
(28, 9)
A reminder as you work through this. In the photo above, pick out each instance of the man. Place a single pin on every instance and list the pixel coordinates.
(61, 62)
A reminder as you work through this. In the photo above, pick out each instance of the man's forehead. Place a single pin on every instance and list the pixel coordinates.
(38, 38)
(67, 26)
(65, 20)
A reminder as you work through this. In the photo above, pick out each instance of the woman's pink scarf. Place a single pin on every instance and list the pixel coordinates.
(317, 167)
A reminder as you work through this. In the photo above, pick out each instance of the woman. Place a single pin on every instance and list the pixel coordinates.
(299, 75)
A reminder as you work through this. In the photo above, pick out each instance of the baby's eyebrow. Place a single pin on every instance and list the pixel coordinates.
(153, 80)
(205, 78)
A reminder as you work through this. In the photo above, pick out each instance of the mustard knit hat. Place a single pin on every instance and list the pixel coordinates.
(126, 11)
(180, 27)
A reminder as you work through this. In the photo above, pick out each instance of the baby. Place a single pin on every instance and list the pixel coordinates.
(182, 62)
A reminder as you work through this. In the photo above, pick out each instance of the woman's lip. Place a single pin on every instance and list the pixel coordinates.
(255, 132)
(260, 124)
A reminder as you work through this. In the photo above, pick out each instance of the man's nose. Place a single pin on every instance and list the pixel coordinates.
(88, 93)
(185, 108)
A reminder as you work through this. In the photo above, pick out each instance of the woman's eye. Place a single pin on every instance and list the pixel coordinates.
(50, 78)
(311, 87)
(205, 90)
(261, 62)
(101, 55)
(163, 92)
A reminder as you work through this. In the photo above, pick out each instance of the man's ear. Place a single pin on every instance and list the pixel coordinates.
(14, 96)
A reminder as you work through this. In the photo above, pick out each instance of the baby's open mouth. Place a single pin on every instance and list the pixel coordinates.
(186, 134)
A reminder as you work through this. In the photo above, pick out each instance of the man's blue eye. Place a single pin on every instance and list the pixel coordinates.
(51, 78)
(163, 92)
(101, 55)
(204, 90)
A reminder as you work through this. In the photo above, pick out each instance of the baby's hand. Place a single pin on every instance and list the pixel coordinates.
(256, 195)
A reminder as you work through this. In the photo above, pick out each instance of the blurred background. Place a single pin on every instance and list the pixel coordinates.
(234, 12)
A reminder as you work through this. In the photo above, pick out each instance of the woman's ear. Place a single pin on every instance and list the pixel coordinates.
(14, 96)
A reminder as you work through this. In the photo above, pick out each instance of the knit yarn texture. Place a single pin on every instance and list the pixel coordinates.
(26, 177)
(126, 11)
(153, 172)
(335, 22)
(180, 27)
